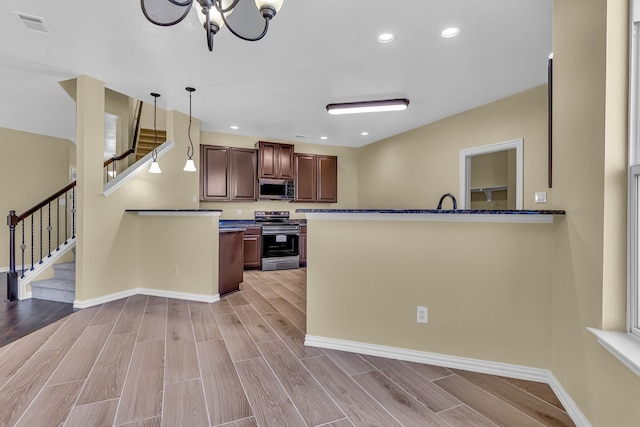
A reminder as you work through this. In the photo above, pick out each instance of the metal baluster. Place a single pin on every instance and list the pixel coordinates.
(66, 218)
(73, 212)
(32, 244)
(49, 229)
(40, 262)
(58, 224)
(22, 248)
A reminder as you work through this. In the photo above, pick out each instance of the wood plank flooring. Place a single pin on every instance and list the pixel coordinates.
(239, 362)
(20, 318)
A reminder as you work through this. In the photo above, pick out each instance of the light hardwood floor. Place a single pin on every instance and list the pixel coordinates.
(239, 362)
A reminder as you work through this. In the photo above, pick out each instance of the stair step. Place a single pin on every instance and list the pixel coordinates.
(59, 290)
(66, 271)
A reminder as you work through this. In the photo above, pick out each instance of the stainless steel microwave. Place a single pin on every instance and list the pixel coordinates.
(275, 189)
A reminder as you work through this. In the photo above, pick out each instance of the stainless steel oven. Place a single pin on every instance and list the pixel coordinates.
(280, 240)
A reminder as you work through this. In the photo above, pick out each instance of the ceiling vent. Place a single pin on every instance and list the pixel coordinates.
(35, 24)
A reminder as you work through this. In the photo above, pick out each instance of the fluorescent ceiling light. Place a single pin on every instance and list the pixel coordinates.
(368, 106)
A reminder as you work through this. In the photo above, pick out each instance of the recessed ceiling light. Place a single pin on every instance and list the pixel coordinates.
(234, 127)
(364, 133)
(386, 38)
(324, 137)
(447, 33)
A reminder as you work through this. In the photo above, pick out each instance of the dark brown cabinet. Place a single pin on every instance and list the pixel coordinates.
(305, 177)
(214, 172)
(252, 241)
(275, 160)
(303, 245)
(316, 177)
(243, 174)
(230, 262)
(227, 173)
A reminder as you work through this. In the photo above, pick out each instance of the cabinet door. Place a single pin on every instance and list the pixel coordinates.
(243, 174)
(252, 248)
(268, 161)
(214, 179)
(286, 162)
(327, 178)
(303, 245)
(305, 177)
(230, 261)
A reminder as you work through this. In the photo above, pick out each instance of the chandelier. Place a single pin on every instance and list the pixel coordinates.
(213, 14)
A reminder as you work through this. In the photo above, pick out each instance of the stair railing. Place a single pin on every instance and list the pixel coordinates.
(111, 165)
(42, 232)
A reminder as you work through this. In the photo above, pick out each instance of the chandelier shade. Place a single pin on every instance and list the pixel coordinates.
(212, 14)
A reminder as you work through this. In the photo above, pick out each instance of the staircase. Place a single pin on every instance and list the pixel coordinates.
(146, 141)
(61, 288)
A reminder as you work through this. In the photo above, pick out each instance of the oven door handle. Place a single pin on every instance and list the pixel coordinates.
(269, 232)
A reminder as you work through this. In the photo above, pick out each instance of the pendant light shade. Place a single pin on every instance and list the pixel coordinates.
(155, 167)
(190, 166)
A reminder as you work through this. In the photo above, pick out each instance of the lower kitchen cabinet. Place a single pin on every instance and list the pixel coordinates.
(303, 245)
(252, 240)
(230, 262)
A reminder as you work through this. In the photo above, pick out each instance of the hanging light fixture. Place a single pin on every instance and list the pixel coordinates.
(190, 166)
(155, 167)
(212, 14)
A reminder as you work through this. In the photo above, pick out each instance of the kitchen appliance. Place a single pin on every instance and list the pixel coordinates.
(276, 189)
(280, 240)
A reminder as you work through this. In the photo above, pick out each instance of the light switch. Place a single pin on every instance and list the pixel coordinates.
(541, 197)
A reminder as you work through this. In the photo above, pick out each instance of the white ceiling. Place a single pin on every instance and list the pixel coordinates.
(315, 53)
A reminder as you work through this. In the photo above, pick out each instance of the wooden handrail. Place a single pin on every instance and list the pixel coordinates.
(16, 219)
(13, 220)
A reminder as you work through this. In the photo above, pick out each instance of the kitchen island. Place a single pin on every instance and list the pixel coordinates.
(370, 269)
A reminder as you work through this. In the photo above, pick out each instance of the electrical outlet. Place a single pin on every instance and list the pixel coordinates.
(422, 315)
(174, 270)
(239, 211)
(541, 197)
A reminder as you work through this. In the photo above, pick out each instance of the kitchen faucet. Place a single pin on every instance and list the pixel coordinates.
(455, 204)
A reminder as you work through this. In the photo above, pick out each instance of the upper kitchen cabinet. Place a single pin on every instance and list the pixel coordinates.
(305, 177)
(227, 173)
(243, 174)
(327, 177)
(214, 173)
(275, 160)
(316, 178)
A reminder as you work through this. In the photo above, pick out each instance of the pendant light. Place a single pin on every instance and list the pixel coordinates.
(155, 167)
(190, 166)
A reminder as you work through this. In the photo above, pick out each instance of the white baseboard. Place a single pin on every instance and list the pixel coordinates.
(145, 291)
(455, 362)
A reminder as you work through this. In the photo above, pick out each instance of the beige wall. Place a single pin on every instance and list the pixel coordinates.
(365, 279)
(494, 170)
(590, 90)
(347, 177)
(108, 238)
(413, 169)
(33, 167)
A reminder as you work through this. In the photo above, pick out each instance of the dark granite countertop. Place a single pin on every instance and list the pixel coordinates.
(173, 210)
(437, 211)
